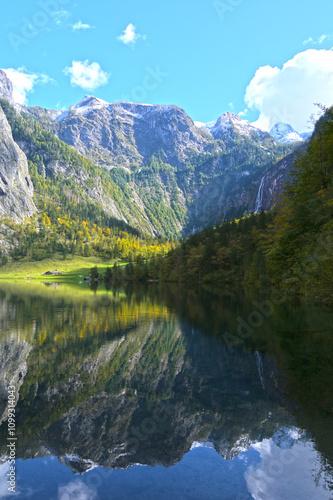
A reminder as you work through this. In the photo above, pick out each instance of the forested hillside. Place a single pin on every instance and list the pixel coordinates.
(70, 194)
(300, 245)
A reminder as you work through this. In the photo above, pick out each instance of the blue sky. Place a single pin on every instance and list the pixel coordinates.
(202, 55)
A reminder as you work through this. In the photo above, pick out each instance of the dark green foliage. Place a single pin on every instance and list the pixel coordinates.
(108, 275)
(3, 259)
(152, 181)
(94, 273)
(300, 252)
(227, 254)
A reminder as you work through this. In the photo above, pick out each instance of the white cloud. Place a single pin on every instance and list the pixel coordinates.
(87, 76)
(130, 36)
(81, 26)
(290, 472)
(78, 490)
(321, 39)
(288, 94)
(60, 16)
(60, 106)
(4, 470)
(24, 82)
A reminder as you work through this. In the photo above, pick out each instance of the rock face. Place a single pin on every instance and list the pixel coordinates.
(273, 181)
(16, 189)
(13, 368)
(6, 86)
(124, 133)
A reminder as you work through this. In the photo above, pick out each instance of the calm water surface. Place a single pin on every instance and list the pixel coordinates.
(164, 393)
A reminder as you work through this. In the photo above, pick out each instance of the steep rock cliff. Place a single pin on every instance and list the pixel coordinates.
(16, 189)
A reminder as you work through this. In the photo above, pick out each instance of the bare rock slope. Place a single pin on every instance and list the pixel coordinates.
(16, 189)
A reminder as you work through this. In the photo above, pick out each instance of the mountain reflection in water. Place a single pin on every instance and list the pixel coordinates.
(109, 380)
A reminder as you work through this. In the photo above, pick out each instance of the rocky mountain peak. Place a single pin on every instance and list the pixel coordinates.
(6, 86)
(285, 133)
(229, 124)
(231, 120)
(91, 102)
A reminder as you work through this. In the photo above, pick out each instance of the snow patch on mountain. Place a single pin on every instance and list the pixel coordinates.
(285, 133)
(199, 124)
(90, 101)
(85, 106)
(229, 123)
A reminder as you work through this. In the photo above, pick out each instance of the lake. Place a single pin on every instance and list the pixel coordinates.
(162, 392)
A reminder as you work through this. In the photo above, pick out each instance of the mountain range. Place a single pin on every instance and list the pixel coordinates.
(149, 166)
(230, 123)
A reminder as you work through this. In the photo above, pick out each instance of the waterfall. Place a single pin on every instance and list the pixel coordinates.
(258, 205)
(260, 368)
